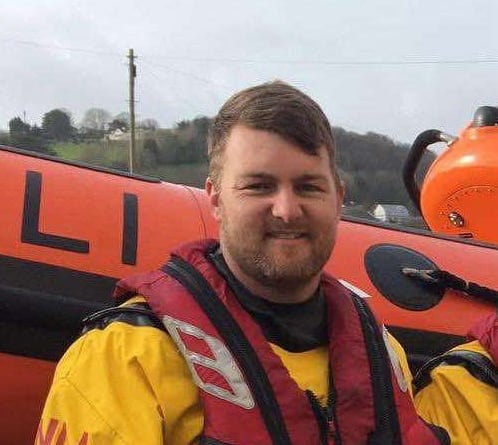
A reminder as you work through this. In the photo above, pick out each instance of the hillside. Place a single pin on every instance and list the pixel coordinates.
(370, 164)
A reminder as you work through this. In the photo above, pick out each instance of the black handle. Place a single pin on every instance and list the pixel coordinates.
(415, 154)
(485, 116)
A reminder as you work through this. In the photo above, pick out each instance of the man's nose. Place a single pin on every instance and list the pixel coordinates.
(286, 206)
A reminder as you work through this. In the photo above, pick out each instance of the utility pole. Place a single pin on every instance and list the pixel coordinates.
(133, 73)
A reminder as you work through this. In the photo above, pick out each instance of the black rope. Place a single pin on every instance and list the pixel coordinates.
(445, 280)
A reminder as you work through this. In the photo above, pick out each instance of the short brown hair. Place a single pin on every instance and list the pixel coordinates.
(273, 106)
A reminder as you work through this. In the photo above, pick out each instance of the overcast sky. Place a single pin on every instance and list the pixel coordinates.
(395, 67)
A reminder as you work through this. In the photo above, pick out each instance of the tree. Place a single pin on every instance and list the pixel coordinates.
(148, 124)
(4, 138)
(56, 125)
(95, 119)
(118, 124)
(182, 125)
(123, 116)
(149, 153)
(22, 135)
(18, 127)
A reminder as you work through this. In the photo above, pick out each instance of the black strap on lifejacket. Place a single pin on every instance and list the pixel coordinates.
(478, 365)
(136, 314)
(387, 428)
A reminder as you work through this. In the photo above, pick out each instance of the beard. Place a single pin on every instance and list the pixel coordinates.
(270, 262)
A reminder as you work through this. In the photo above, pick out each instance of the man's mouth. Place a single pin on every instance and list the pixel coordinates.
(286, 235)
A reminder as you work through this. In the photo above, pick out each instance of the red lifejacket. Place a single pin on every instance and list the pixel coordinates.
(248, 396)
(486, 331)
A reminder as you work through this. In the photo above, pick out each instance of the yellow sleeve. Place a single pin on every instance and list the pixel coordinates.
(466, 407)
(123, 385)
(99, 394)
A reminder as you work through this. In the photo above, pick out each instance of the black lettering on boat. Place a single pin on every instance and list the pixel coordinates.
(30, 232)
(130, 229)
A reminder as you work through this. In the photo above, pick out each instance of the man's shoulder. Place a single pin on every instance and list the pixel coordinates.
(115, 362)
(133, 312)
(125, 333)
(461, 368)
(473, 346)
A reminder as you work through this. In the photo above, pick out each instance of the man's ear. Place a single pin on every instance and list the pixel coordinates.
(213, 198)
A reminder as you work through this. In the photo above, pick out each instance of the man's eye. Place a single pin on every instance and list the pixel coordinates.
(309, 188)
(259, 187)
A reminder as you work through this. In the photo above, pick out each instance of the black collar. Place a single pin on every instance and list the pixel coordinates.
(294, 327)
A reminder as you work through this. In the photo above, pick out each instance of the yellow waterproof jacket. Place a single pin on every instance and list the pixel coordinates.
(460, 396)
(129, 385)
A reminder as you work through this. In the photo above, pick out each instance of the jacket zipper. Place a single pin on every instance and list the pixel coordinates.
(326, 416)
(236, 341)
(331, 411)
(320, 415)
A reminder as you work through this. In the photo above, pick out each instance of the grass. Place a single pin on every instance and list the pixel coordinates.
(114, 154)
(189, 174)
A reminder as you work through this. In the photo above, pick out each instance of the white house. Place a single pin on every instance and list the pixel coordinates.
(394, 213)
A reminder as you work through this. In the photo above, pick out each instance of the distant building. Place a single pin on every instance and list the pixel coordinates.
(356, 211)
(392, 213)
(118, 135)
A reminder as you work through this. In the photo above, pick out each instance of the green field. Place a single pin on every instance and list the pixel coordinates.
(114, 154)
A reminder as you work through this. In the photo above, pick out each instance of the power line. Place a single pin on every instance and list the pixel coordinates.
(61, 48)
(333, 62)
(184, 99)
(412, 61)
(185, 73)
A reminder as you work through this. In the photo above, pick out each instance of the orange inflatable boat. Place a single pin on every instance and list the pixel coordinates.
(69, 231)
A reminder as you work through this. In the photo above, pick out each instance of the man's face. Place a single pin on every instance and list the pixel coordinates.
(278, 209)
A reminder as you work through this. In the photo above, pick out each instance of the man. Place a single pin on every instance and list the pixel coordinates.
(261, 347)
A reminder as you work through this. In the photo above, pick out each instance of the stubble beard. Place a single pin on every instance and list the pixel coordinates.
(285, 268)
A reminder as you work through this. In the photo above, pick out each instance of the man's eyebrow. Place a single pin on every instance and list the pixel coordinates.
(304, 177)
(257, 175)
(311, 177)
